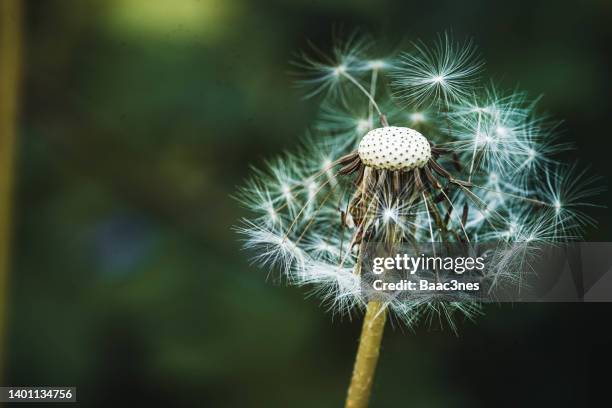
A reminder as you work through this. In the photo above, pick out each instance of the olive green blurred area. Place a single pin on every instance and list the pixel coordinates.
(138, 121)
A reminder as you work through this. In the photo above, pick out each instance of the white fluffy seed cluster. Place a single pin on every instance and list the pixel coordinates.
(394, 148)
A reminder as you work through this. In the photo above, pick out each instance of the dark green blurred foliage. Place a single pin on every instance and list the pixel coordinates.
(140, 118)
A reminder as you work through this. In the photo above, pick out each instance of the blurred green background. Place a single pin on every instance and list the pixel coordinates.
(140, 118)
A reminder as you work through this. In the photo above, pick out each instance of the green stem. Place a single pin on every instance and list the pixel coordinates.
(367, 355)
(10, 67)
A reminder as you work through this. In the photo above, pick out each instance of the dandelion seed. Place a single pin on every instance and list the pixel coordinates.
(323, 73)
(442, 74)
(568, 189)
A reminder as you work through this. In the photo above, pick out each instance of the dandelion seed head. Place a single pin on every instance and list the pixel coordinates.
(394, 148)
(411, 149)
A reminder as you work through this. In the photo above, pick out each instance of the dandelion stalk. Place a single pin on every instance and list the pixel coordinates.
(10, 43)
(367, 355)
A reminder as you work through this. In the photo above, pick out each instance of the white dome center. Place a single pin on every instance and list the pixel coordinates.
(394, 148)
